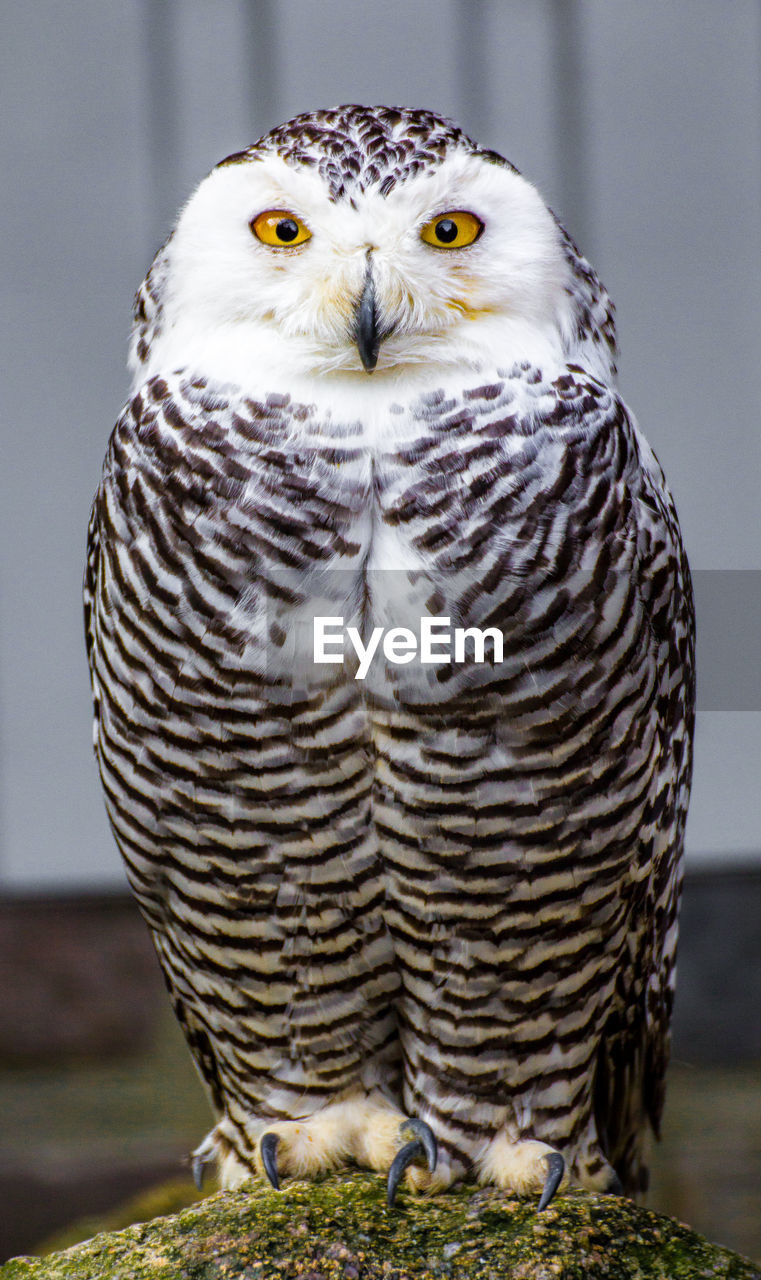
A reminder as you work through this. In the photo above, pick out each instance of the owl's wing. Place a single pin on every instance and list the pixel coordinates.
(541, 513)
(191, 1019)
(207, 520)
(89, 592)
(634, 1050)
(89, 584)
(195, 1033)
(238, 792)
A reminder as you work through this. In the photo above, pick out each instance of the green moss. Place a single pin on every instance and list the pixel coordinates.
(340, 1229)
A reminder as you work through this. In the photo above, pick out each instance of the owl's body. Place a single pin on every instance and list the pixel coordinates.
(448, 890)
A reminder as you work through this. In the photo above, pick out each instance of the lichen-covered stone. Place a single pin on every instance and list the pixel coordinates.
(340, 1229)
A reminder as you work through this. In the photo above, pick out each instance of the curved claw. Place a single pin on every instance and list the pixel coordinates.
(203, 1155)
(401, 1162)
(555, 1170)
(268, 1152)
(616, 1187)
(197, 1166)
(427, 1137)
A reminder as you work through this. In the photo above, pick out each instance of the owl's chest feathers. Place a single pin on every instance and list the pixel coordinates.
(487, 505)
(520, 471)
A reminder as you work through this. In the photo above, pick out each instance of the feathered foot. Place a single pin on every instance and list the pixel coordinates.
(526, 1167)
(365, 1130)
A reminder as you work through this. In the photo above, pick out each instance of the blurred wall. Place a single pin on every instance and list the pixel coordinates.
(640, 125)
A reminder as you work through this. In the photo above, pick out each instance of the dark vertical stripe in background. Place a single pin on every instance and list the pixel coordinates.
(568, 74)
(471, 21)
(261, 46)
(161, 80)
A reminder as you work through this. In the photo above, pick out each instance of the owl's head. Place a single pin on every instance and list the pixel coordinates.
(352, 241)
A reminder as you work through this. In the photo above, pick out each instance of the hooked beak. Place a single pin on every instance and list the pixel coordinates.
(366, 333)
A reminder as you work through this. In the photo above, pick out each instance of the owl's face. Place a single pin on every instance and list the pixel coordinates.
(304, 268)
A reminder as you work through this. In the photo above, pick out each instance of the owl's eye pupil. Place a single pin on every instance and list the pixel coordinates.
(287, 230)
(446, 230)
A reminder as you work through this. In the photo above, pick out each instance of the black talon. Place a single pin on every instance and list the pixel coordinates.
(423, 1144)
(402, 1160)
(268, 1152)
(197, 1166)
(426, 1135)
(615, 1186)
(555, 1170)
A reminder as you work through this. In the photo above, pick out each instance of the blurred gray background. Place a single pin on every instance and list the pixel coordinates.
(640, 123)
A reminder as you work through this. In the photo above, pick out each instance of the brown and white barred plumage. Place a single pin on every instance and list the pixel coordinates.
(453, 887)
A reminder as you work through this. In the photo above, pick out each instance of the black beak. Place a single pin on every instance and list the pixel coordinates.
(366, 324)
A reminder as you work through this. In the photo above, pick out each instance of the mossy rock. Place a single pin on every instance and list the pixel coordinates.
(340, 1229)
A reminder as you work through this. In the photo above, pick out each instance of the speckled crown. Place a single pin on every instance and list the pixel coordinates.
(356, 147)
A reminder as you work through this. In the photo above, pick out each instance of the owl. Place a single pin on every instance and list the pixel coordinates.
(390, 632)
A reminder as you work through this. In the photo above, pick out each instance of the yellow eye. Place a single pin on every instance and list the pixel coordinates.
(280, 229)
(452, 230)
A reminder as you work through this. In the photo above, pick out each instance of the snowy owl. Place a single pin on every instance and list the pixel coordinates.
(390, 632)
